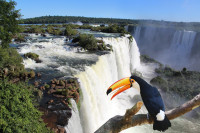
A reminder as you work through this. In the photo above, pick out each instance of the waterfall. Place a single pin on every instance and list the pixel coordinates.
(96, 107)
(167, 45)
(74, 125)
(59, 60)
(181, 47)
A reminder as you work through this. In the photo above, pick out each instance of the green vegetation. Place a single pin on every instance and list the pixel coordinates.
(185, 83)
(8, 22)
(20, 38)
(69, 31)
(18, 113)
(159, 81)
(10, 63)
(65, 19)
(147, 59)
(34, 29)
(33, 56)
(89, 42)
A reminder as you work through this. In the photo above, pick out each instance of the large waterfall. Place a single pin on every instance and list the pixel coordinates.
(95, 74)
(169, 45)
(96, 106)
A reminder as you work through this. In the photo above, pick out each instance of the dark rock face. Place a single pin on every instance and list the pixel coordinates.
(55, 102)
(56, 115)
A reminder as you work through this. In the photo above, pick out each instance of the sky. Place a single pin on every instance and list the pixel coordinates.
(168, 10)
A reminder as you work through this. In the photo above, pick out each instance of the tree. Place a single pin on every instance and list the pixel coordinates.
(88, 42)
(119, 123)
(12, 61)
(69, 31)
(8, 22)
(17, 112)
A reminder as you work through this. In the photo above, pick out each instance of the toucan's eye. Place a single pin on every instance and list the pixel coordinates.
(132, 80)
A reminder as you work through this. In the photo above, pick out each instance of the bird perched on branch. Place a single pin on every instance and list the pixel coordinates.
(150, 96)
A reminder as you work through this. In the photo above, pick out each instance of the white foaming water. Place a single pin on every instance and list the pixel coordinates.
(180, 48)
(74, 125)
(96, 107)
(167, 45)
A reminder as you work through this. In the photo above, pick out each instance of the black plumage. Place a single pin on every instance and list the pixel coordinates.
(153, 102)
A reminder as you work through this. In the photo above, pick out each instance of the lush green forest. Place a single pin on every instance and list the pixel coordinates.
(18, 110)
(194, 26)
(68, 19)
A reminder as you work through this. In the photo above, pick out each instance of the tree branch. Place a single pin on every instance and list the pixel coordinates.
(119, 123)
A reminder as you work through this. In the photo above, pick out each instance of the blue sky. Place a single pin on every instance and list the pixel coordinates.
(171, 10)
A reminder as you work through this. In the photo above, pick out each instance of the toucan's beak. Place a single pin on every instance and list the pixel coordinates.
(119, 86)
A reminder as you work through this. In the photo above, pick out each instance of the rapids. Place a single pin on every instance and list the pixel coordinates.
(95, 74)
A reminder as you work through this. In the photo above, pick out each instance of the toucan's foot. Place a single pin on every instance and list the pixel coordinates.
(148, 116)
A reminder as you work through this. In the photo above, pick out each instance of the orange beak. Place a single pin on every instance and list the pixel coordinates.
(120, 86)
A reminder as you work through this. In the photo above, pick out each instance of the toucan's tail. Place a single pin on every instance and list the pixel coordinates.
(161, 125)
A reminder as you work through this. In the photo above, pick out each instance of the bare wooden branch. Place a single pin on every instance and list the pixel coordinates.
(117, 123)
(131, 112)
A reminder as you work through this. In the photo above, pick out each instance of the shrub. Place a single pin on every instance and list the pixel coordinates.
(10, 59)
(33, 56)
(32, 74)
(69, 31)
(20, 38)
(76, 39)
(158, 81)
(35, 29)
(57, 32)
(49, 29)
(18, 113)
(47, 86)
(147, 59)
(88, 42)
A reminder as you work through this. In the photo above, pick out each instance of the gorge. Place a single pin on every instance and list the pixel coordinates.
(169, 45)
(96, 72)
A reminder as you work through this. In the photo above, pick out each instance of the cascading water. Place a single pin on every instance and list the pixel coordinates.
(74, 125)
(97, 108)
(59, 60)
(168, 45)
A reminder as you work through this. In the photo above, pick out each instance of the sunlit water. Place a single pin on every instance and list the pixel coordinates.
(95, 74)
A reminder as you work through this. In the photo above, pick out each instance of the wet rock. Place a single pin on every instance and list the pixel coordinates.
(42, 88)
(39, 74)
(59, 87)
(51, 101)
(51, 91)
(36, 83)
(43, 35)
(59, 96)
(31, 74)
(38, 61)
(53, 86)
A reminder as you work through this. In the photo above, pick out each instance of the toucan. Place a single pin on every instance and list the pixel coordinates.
(150, 96)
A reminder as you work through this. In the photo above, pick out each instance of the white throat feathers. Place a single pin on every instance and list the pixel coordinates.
(136, 86)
